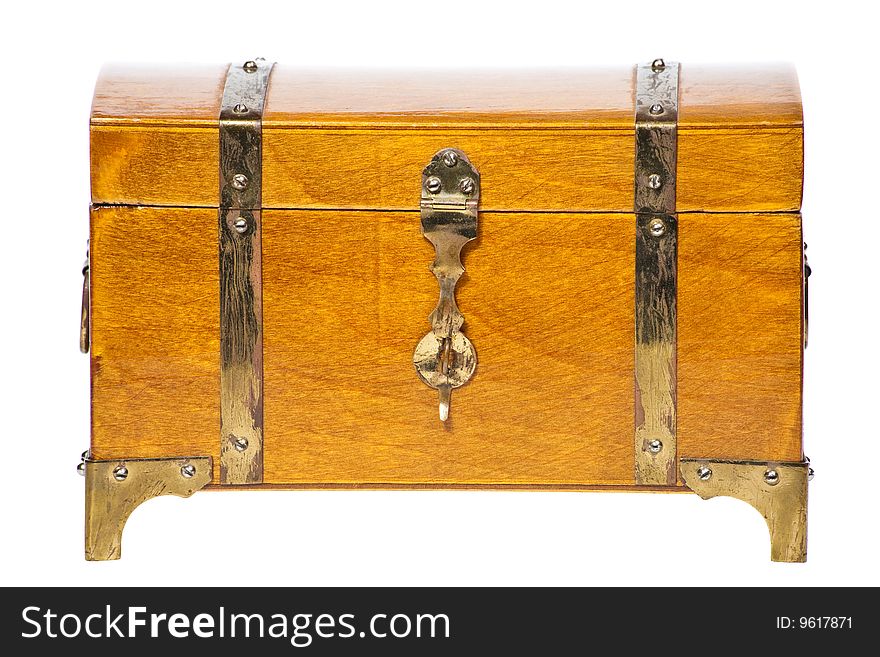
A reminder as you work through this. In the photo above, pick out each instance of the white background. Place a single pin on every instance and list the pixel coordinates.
(51, 55)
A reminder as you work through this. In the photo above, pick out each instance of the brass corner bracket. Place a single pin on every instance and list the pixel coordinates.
(777, 490)
(116, 488)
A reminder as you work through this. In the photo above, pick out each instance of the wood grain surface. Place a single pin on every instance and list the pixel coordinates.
(740, 359)
(155, 352)
(739, 95)
(548, 303)
(547, 297)
(543, 140)
(551, 401)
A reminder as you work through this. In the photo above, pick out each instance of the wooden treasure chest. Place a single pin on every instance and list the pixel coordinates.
(567, 280)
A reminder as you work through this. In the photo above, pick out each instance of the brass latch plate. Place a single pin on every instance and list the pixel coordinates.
(445, 359)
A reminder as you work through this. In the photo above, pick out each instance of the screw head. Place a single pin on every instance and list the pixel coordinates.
(450, 158)
(241, 444)
(657, 227)
(81, 469)
(771, 477)
(658, 64)
(250, 66)
(120, 473)
(433, 184)
(810, 474)
(655, 181)
(240, 108)
(656, 109)
(654, 446)
(467, 185)
(240, 181)
(240, 225)
(704, 473)
(188, 470)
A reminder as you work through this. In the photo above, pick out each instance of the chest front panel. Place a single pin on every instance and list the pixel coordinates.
(548, 301)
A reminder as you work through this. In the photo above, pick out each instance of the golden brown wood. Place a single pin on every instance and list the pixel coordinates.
(739, 336)
(754, 95)
(525, 169)
(551, 401)
(528, 169)
(155, 352)
(739, 96)
(155, 166)
(157, 94)
(559, 141)
(760, 174)
(548, 300)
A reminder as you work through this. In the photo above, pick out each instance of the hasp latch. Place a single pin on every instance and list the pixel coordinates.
(445, 359)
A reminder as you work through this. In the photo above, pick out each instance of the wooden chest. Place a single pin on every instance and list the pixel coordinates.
(260, 278)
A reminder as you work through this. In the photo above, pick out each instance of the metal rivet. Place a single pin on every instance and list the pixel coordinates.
(654, 446)
(85, 455)
(655, 181)
(241, 444)
(771, 477)
(81, 468)
(704, 473)
(467, 186)
(658, 65)
(120, 473)
(241, 108)
(810, 474)
(240, 181)
(188, 470)
(241, 225)
(450, 158)
(656, 108)
(657, 227)
(250, 66)
(433, 184)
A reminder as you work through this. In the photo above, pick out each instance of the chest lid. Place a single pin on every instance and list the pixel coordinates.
(543, 140)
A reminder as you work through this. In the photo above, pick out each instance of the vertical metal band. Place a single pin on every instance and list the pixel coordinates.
(241, 304)
(656, 273)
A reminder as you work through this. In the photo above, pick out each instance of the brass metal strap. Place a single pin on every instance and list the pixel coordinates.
(241, 305)
(656, 273)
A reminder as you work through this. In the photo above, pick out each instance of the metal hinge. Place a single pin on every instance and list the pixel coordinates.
(445, 359)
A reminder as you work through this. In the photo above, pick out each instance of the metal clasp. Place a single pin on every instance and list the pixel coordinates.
(85, 319)
(807, 271)
(445, 359)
